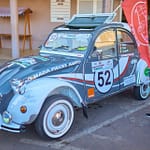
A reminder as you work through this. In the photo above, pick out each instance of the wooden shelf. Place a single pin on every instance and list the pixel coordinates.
(26, 36)
(21, 37)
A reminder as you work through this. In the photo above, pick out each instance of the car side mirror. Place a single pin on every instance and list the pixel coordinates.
(94, 48)
(40, 46)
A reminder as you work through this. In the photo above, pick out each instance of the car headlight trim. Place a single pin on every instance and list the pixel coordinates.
(7, 117)
(18, 86)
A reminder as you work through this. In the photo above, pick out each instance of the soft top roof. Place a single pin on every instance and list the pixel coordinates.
(90, 20)
(93, 28)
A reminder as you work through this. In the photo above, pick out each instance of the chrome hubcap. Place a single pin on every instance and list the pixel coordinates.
(58, 118)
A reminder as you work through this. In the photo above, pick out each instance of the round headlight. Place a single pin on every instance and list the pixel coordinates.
(6, 117)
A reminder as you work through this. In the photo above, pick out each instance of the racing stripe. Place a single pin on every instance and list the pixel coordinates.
(123, 66)
(78, 80)
(76, 77)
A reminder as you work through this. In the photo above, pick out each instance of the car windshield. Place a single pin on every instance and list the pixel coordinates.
(68, 43)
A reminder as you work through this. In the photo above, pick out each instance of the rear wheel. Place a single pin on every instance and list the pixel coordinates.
(142, 92)
(55, 118)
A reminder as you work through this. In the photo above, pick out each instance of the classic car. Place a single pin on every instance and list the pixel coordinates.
(80, 63)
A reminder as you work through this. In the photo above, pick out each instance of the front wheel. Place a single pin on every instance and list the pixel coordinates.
(56, 117)
(142, 92)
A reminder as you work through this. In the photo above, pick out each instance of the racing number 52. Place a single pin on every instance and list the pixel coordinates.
(104, 80)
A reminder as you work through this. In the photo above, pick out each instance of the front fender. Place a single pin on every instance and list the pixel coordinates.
(35, 95)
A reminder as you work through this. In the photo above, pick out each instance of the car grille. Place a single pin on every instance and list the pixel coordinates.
(4, 100)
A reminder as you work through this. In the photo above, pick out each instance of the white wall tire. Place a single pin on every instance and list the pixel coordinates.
(142, 92)
(55, 118)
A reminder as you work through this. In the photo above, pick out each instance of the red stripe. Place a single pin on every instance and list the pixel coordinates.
(124, 71)
(78, 80)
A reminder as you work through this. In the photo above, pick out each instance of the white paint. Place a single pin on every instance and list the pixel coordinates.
(14, 28)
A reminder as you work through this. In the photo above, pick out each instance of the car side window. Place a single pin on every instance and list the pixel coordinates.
(105, 44)
(125, 42)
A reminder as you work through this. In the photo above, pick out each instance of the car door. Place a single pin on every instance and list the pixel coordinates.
(127, 58)
(101, 68)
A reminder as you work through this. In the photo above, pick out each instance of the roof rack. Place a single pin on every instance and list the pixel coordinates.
(90, 20)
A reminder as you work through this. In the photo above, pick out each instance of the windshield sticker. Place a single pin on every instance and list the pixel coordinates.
(53, 37)
(83, 48)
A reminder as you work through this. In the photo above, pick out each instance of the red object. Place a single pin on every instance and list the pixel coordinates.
(136, 13)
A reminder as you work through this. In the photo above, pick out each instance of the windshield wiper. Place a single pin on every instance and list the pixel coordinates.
(63, 47)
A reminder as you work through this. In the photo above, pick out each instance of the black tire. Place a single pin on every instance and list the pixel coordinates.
(56, 117)
(141, 92)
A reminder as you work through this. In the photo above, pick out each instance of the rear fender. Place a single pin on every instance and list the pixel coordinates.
(142, 73)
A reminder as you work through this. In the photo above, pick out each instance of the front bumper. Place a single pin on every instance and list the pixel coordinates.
(11, 127)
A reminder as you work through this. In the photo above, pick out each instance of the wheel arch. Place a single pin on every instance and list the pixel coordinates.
(69, 92)
(46, 87)
(141, 76)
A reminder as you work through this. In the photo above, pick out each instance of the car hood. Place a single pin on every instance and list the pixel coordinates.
(33, 67)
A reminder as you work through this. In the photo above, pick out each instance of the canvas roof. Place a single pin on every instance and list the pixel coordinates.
(89, 20)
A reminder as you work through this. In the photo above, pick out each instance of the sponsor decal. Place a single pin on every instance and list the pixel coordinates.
(147, 71)
(104, 64)
(28, 61)
(129, 80)
(24, 62)
(103, 77)
(55, 68)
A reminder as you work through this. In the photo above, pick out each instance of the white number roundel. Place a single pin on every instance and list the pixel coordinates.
(103, 80)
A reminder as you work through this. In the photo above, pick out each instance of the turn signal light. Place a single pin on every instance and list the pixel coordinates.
(23, 109)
